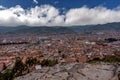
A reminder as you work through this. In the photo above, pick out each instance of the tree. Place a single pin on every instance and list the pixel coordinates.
(31, 61)
(7, 75)
(19, 67)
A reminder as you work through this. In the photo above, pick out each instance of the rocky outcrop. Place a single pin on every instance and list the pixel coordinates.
(75, 71)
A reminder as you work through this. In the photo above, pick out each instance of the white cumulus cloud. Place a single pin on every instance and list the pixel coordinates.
(47, 15)
(87, 16)
(37, 16)
(2, 7)
(35, 1)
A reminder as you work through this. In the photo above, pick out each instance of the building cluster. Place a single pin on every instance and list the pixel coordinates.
(64, 48)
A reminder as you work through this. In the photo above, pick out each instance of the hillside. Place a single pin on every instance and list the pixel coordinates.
(104, 27)
(36, 30)
(59, 29)
(75, 71)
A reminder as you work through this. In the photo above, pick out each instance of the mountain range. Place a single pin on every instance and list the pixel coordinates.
(60, 29)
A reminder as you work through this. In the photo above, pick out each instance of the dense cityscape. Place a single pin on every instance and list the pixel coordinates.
(64, 48)
(59, 39)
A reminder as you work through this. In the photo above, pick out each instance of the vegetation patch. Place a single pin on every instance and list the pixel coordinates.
(49, 63)
(111, 59)
(21, 68)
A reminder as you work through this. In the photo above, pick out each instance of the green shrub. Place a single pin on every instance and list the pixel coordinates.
(119, 75)
(31, 61)
(19, 67)
(111, 59)
(7, 75)
(47, 62)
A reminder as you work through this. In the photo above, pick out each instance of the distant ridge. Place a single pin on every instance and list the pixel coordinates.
(99, 27)
(59, 29)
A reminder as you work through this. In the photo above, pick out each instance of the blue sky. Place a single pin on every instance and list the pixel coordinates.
(62, 3)
(58, 12)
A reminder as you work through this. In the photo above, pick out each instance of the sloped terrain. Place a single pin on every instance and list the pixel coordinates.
(75, 71)
(59, 29)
